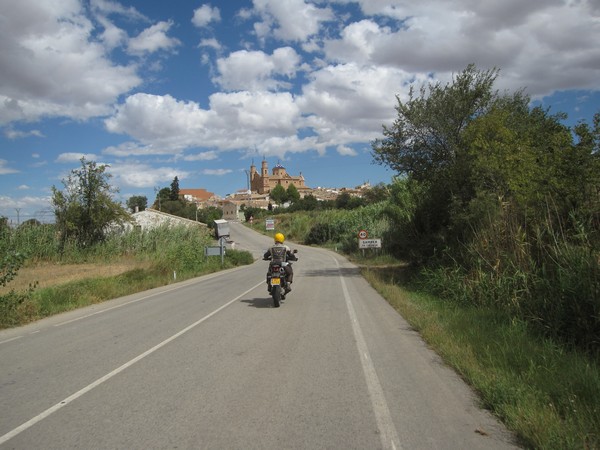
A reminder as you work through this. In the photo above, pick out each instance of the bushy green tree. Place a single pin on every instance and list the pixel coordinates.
(84, 210)
(137, 201)
(162, 196)
(209, 215)
(426, 144)
(347, 201)
(278, 194)
(426, 137)
(292, 194)
(310, 202)
(307, 203)
(10, 263)
(504, 198)
(255, 213)
(378, 193)
(529, 158)
(11, 259)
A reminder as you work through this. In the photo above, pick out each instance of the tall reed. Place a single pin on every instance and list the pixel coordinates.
(541, 273)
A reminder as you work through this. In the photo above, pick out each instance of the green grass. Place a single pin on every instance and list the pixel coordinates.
(76, 294)
(547, 394)
(18, 308)
(86, 292)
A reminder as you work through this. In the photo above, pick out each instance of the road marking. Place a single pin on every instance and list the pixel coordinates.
(11, 339)
(99, 381)
(177, 286)
(385, 424)
(115, 307)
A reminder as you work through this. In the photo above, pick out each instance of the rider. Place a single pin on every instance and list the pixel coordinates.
(281, 253)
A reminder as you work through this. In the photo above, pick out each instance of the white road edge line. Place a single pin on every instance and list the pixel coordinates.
(102, 311)
(99, 381)
(11, 339)
(154, 294)
(385, 424)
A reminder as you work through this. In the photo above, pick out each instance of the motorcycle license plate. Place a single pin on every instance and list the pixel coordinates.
(275, 281)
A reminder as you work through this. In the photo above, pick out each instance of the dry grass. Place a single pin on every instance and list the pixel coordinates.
(52, 274)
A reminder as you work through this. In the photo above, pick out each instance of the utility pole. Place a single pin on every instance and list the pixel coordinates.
(18, 216)
(157, 190)
(249, 191)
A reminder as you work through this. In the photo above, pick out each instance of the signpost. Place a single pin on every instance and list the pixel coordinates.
(270, 224)
(364, 242)
(369, 243)
(222, 234)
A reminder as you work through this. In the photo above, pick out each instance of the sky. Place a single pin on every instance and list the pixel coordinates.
(157, 89)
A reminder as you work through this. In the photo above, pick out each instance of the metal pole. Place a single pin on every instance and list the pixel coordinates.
(249, 191)
(222, 241)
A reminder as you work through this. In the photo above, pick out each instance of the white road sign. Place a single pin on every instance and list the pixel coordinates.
(369, 243)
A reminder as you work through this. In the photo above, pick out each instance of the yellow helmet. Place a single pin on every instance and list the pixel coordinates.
(279, 238)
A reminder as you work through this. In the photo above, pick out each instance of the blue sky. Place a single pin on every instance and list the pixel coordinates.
(200, 90)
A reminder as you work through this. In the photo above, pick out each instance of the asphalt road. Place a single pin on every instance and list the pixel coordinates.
(209, 364)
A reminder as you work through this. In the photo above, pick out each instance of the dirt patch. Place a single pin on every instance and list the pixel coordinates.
(53, 274)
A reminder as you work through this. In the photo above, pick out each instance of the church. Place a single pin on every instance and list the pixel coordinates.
(263, 183)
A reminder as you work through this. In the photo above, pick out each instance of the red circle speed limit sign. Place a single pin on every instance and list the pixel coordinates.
(362, 234)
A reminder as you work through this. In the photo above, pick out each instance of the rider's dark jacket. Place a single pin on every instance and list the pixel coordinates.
(280, 253)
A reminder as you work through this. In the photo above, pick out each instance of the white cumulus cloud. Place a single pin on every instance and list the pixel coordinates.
(141, 175)
(51, 67)
(290, 20)
(256, 70)
(153, 38)
(205, 15)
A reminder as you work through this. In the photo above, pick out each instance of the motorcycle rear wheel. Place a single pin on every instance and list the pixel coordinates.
(276, 294)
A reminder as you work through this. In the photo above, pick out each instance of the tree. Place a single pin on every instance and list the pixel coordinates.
(172, 207)
(342, 201)
(529, 158)
(209, 215)
(137, 201)
(253, 212)
(426, 137)
(10, 263)
(163, 195)
(292, 194)
(427, 144)
(278, 194)
(378, 193)
(310, 202)
(4, 226)
(174, 192)
(84, 209)
(10, 259)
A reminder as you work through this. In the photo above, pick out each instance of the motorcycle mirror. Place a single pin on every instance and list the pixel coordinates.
(294, 251)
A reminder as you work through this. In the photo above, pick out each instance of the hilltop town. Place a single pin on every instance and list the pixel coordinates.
(260, 184)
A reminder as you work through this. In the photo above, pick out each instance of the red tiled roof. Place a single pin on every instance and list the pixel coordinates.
(198, 194)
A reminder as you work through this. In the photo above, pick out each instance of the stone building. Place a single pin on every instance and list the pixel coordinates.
(263, 183)
(231, 211)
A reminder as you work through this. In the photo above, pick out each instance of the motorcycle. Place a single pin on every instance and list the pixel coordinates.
(277, 280)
